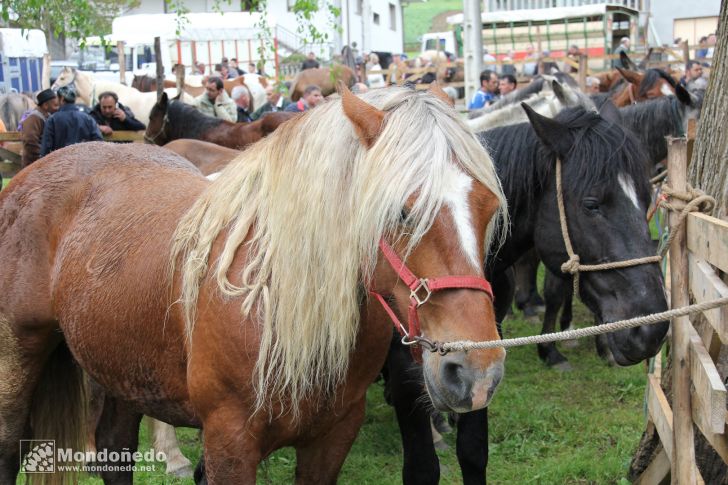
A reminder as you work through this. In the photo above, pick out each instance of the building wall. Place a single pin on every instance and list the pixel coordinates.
(664, 13)
(368, 36)
(495, 5)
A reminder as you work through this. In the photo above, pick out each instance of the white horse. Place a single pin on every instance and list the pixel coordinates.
(87, 89)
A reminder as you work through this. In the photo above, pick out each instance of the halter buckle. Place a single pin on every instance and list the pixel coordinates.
(414, 294)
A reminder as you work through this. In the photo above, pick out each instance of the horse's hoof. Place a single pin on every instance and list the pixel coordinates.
(563, 367)
(183, 472)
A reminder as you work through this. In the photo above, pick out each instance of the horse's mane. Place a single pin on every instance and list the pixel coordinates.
(186, 121)
(314, 204)
(652, 76)
(650, 121)
(600, 153)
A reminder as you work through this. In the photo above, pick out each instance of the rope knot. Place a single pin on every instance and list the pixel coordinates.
(572, 265)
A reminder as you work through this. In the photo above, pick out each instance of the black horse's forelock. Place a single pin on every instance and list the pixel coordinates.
(651, 77)
(600, 153)
(651, 121)
(185, 121)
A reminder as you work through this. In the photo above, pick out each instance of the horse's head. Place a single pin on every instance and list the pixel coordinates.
(156, 132)
(65, 78)
(606, 194)
(650, 84)
(439, 239)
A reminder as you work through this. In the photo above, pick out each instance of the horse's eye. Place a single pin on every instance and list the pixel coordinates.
(591, 205)
(404, 216)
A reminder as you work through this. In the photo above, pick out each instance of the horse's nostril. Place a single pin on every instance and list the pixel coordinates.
(451, 372)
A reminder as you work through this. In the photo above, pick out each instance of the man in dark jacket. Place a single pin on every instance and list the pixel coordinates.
(111, 115)
(310, 62)
(275, 102)
(69, 125)
(33, 125)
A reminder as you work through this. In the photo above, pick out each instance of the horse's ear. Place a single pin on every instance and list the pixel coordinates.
(559, 92)
(630, 76)
(643, 63)
(552, 134)
(437, 91)
(367, 119)
(626, 61)
(610, 112)
(683, 95)
(163, 100)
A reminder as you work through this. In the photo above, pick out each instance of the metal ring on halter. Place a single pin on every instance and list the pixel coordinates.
(430, 345)
(421, 286)
(408, 342)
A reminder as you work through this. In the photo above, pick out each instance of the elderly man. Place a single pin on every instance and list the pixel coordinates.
(32, 131)
(111, 115)
(312, 97)
(275, 102)
(623, 47)
(592, 85)
(215, 101)
(241, 97)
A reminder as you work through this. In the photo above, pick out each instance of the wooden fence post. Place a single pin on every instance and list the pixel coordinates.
(122, 61)
(683, 463)
(582, 72)
(160, 67)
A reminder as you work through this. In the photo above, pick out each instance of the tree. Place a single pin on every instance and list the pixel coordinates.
(708, 170)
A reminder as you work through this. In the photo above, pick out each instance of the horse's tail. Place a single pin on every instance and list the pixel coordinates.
(6, 113)
(59, 412)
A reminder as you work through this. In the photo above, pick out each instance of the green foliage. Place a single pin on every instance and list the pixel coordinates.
(546, 426)
(77, 19)
(418, 17)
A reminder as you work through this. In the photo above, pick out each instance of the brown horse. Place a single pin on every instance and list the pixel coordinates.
(241, 305)
(324, 77)
(171, 120)
(208, 157)
(641, 86)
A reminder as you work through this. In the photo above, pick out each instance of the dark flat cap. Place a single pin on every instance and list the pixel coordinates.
(45, 95)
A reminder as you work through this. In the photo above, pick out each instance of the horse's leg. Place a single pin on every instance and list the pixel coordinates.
(567, 312)
(527, 297)
(472, 446)
(118, 430)
(231, 454)
(39, 380)
(96, 398)
(404, 390)
(320, 461)
(554, 291)
(165, 440)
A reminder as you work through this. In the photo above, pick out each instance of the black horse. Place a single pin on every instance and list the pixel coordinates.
(650, 121)
(606, 193)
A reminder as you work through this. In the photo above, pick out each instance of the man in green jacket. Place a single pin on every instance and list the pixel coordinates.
(215, 101)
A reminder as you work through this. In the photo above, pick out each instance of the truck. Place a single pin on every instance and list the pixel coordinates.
(596, 29)
(21, 60)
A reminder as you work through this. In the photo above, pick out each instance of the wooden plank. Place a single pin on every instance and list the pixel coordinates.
(116, 136)
(705, 285)
(708, 389)
(708, 239)
(683, 445)
(656, 472)
(660, 413)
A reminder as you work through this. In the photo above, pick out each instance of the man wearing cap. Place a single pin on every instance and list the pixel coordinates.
(33, 125)
(69, 125)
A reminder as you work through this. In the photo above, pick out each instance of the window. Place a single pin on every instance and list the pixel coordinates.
(376, 18)
(359, 6)
(392, 17)
(290, 4)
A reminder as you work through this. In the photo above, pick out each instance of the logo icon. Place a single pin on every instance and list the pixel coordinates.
(39, 456)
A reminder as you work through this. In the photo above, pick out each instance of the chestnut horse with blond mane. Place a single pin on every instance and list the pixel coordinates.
(243, 305)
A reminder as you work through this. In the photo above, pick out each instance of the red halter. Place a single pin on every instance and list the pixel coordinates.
(420, 291)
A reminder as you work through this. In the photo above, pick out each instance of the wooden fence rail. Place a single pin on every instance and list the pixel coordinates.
(699, 395)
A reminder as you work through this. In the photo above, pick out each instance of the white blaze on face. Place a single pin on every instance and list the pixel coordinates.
(457, 188)
(666, 91)
(213, 176)
(627, 185)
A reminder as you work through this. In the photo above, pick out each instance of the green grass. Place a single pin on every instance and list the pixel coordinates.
(546, 426)
(418, 17)
(6, 181)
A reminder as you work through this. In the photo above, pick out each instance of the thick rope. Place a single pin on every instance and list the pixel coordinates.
(465, 345)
